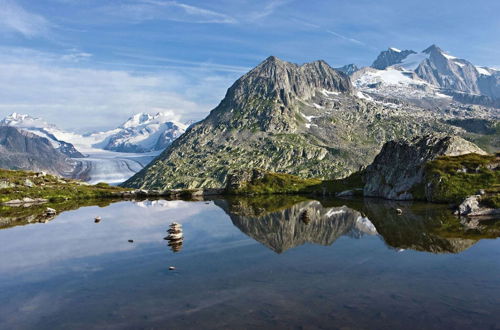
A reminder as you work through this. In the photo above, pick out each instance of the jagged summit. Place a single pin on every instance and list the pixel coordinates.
(390, 57)
(432, 49)
(276, 78)
(348, 69)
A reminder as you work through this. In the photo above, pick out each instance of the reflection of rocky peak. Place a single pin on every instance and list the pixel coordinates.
(433, 229)
(304, 222)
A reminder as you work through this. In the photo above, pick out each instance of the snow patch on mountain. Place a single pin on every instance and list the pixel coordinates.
(483, 71)
(412, 61)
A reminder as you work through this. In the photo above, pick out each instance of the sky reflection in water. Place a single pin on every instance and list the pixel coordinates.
(250, 263)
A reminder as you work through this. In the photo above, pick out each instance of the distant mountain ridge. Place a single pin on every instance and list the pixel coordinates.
(23, 150)
(432, 73)
(111, 156)
(141, 133)
(41, 128)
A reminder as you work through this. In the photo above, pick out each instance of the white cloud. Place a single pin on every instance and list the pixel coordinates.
(267, 9)
(75, 56)
(345, 38)
(167, 10)
(14, 18)
(41, 84)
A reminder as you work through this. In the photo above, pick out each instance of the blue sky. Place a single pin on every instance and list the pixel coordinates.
(90, 64)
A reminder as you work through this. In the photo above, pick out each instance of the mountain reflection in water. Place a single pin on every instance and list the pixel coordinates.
(285, 229)
(286, 222)
(422, 227)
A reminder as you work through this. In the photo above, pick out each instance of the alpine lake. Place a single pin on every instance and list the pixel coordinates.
(268, 262)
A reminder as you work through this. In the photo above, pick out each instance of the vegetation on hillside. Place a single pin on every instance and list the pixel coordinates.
(23, 184)
(282, 183)
(451, 179)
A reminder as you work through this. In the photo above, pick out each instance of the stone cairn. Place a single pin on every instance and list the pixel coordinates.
(175, 237)
(304, 217)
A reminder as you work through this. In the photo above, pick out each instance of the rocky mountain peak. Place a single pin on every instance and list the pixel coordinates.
(390, 57)
(433, 49)
(348, 69)
(275, 79)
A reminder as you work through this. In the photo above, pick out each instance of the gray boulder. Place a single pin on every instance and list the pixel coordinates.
(399, 167)
(469, 205)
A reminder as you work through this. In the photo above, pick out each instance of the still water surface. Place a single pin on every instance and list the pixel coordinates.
(277, 262)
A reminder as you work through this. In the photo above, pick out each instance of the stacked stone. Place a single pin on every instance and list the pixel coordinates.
(304, 217)
(175, 237)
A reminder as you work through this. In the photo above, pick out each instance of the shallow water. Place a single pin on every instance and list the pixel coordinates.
(277, 262)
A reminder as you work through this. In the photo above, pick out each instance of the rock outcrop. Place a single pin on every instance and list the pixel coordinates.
(399, 167)
(472, 207)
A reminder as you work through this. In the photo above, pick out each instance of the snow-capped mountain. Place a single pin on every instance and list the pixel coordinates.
(431, 74)
(41, 128)
(390, 57)
(142, 132)
(348, 69)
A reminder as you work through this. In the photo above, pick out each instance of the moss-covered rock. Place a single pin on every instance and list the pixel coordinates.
(450, 179)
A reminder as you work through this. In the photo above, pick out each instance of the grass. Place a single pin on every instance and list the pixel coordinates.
(451, 179)
(282, 183)
(276, 183)
(29, 184)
